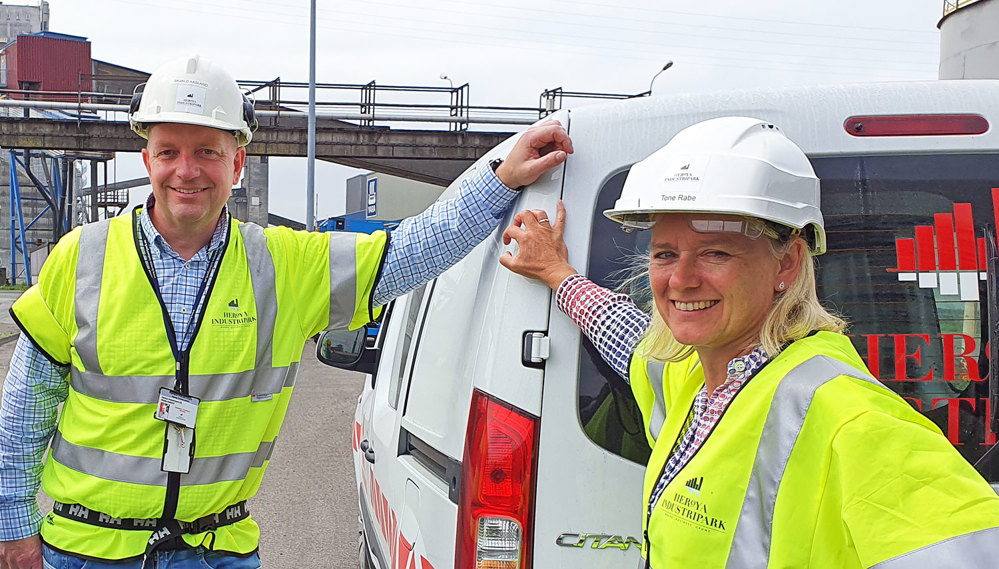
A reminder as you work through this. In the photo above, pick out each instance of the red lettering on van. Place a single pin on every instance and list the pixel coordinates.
(953, 416)
(901, 355)
(970, 364)
(990, 437)
(403, 552)
(387, 525)
(873, 358)
(959, 355)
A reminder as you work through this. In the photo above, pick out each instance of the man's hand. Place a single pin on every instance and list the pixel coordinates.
(542, 253)
(21, 553)
(540, 148)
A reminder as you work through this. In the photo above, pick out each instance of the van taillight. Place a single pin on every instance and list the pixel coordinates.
(496, 504)
(915, 125)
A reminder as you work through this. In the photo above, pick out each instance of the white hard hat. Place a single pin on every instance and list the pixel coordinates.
(728, 165)
(192, 90)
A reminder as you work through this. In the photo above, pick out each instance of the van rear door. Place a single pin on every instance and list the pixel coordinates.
(592, 450)
(464, 333)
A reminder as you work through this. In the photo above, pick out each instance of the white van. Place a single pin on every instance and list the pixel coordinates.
(491, 430)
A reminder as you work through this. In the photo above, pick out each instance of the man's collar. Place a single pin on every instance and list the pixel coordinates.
(154, 236)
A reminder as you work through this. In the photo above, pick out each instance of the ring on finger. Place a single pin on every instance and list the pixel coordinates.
(544, 220)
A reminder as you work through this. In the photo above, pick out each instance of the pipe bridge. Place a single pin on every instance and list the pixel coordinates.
(435, 157)
(416, 132)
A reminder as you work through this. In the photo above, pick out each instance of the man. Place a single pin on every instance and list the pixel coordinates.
(173, 337)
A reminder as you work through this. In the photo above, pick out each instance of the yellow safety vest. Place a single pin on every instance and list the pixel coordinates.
(95, 308)
(813, 464)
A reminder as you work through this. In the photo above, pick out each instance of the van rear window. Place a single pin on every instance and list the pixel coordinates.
(904, 266)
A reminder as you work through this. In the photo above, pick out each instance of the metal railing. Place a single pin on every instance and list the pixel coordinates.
(550, 100)
(366, 105)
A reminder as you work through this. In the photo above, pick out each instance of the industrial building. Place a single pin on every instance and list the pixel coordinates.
(382, 197)
(18, 19)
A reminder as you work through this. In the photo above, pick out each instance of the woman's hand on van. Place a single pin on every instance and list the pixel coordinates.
(540, 148)
(541, 254)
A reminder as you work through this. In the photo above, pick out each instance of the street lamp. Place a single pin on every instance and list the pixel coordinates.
(665, 67)
(448, 79)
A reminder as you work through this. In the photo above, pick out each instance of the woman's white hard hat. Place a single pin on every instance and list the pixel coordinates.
(192, 90)
(729, 165)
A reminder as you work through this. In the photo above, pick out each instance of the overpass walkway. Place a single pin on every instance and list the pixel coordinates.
(420, 133)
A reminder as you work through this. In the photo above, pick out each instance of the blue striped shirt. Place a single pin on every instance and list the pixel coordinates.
(421, 248)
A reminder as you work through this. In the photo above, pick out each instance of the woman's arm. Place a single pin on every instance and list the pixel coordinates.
(610, 320)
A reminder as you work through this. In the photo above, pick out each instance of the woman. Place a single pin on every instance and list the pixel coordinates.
(772, 444)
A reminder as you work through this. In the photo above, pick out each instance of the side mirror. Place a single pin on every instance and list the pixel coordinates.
(348, 349)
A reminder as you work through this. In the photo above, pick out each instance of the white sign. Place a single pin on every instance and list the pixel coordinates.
(190, 97)
(372, 197)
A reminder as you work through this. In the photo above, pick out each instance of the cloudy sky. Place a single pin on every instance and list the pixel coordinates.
(509, 51)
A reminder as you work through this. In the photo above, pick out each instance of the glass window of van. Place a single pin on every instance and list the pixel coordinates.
(608, 412)
(410, 318)
(905, 266)
(920, 327)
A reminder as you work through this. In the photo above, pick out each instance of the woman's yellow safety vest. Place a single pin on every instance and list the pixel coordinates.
(813, 464)
(94, 307)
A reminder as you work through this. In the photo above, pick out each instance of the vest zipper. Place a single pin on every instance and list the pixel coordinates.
(173, 478)
(182, 369)
(648, 548)
(648, 517)
(676, 442)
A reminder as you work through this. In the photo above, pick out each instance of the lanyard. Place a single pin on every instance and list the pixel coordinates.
(214, 261)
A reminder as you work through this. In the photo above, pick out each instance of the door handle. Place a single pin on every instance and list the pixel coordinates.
(369, 453)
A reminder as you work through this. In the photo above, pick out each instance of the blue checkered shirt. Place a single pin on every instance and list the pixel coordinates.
(421, 248)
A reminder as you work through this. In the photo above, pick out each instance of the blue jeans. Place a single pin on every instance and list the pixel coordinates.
(199, 558)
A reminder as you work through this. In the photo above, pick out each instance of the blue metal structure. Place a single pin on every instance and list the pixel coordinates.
(17, 228)
(355, 225)
(56, 201)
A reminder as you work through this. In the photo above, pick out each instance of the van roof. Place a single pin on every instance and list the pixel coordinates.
(814, 116)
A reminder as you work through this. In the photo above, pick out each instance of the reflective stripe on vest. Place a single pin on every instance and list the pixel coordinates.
(89, 274)
(258, 260)
(974, 550)
(145, 389)
(107, 451)
(751, 541)
(655, 370)
(147, 471)
(343, 285)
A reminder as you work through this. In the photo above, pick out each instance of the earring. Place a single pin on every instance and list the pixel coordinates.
(781, 286)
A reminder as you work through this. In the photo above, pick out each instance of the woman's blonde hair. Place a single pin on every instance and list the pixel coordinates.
(795, 313)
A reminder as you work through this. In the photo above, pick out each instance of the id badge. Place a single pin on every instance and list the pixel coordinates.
(174, 407)
(178, 450)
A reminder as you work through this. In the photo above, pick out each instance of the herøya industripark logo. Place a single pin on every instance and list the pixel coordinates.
(694, 485)
(946, 255)
(233, 317)
(693, 511)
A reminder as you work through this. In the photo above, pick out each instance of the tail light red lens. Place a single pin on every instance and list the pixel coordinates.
(915, 125)
(496, 504)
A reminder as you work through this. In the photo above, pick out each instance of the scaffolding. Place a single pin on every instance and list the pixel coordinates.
(62, 202)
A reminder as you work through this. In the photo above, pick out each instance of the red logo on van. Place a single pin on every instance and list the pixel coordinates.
(946, 255)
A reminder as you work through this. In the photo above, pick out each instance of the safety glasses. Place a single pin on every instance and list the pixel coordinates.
(752, 228)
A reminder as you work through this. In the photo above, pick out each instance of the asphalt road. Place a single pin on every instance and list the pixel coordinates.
(307, 506)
